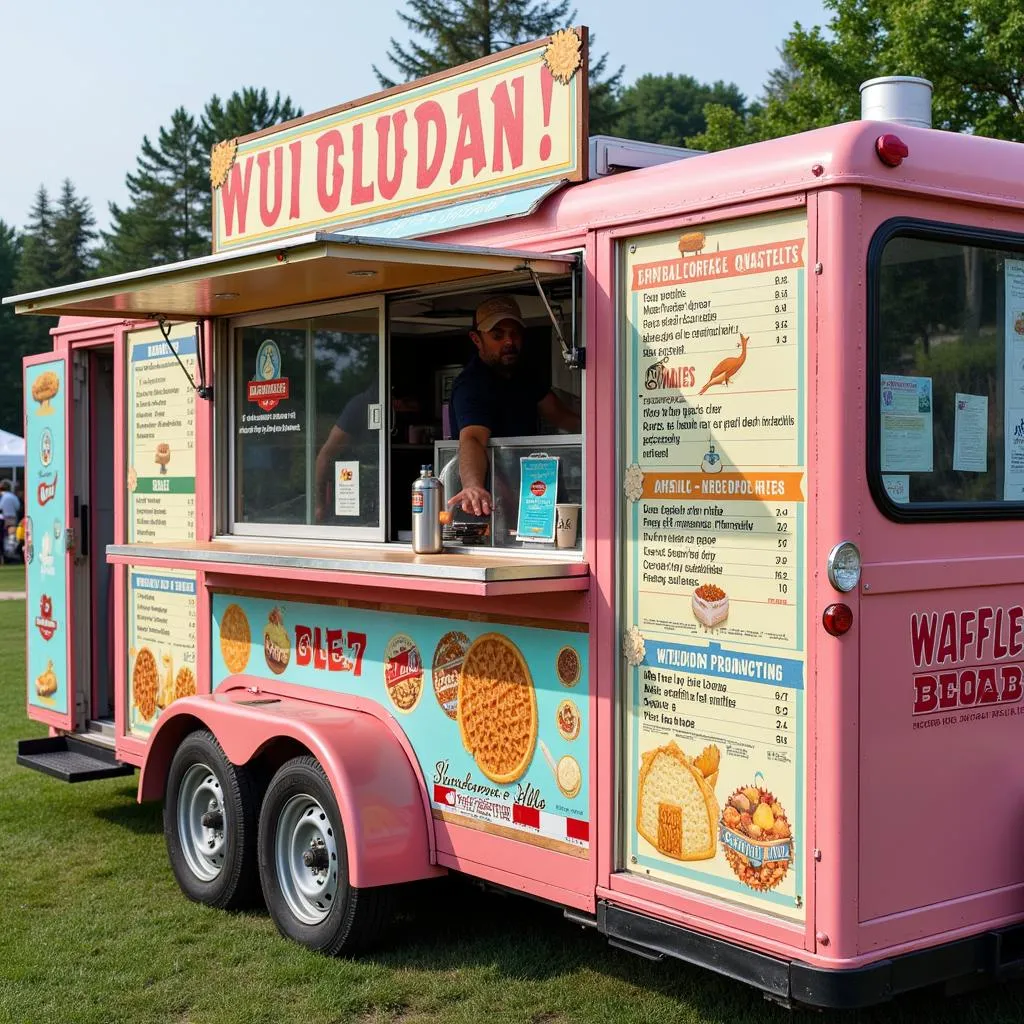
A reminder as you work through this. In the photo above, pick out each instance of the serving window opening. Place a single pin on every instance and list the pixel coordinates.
(335, 409)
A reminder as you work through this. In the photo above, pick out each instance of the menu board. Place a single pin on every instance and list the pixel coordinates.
(46, 572)
(713, 556)
(497, 711)
(161, 436)
(161, 643)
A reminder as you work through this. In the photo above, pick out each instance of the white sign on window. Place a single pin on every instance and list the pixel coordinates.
(970, 434)
(1013, 376)
(906, 424)
(346, 488)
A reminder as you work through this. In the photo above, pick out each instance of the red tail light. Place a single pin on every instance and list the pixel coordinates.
(837, 619)
(891, 150)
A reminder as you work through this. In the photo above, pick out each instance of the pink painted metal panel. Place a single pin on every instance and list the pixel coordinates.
(379, 795)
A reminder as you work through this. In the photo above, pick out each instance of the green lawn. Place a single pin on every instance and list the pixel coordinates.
(94, 929)
(12, 578)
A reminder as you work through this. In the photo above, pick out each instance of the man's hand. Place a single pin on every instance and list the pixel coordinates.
(475, 501)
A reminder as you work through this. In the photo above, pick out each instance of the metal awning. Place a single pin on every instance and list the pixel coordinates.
(309, 268)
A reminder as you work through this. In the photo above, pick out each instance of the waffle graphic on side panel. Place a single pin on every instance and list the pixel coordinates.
(676, 810)
(235, 638)
(145, 683)
(184, 683)
(497, 708)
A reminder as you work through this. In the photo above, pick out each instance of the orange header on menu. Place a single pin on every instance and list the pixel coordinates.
(751, 259)
(725, 486)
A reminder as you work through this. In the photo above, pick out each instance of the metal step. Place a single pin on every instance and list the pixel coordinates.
(71, 759)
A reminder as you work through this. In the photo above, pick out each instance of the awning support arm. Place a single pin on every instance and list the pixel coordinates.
(574, 356)
(203, 390)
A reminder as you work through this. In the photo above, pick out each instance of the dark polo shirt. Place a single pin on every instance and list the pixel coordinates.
(506, 406)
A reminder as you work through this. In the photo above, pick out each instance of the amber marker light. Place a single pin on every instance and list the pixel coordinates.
(837, 619)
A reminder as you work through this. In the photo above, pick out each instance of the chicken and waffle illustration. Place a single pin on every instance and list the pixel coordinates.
(46, 681)
(727, 368)
(162, 456)
(145, 683)
(235, 639)
(497, 708)
(677, 812)
(446, 669)
(710, 605)
(277, 646)
(44, 390)
(403, 672)
(692, 243)
(757, 837)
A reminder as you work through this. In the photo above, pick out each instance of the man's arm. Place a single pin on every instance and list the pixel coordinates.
(474, 497)
(337, 441)
(558, 414)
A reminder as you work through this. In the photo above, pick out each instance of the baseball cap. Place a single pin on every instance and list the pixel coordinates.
(496, 309)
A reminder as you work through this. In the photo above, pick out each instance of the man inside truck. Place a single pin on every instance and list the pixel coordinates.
(492, 397)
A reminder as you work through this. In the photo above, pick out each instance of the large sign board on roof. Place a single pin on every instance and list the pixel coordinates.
(511, 121)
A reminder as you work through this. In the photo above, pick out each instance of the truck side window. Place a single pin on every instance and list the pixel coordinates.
(946, 385)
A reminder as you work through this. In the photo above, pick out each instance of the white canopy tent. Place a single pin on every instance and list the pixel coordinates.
(12, 452)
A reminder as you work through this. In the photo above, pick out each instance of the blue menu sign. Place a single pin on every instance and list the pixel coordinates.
(538, 493)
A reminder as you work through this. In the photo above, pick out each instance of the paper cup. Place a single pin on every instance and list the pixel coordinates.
(567, 525)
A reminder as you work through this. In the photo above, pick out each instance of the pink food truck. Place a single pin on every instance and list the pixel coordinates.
(704, 619)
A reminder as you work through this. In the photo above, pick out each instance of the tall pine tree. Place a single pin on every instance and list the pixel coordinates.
(166, 219)
(455, 32)
(74, 231)
(168, 216)
(10, 333)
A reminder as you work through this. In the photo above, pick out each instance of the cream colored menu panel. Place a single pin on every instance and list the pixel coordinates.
(161, 436)
(714, 548)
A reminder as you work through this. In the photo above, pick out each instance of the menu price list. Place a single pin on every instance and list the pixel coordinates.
(161, 477)
(162, 640)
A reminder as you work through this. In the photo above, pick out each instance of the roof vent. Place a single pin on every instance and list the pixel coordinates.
(898, 99)
(610, 155)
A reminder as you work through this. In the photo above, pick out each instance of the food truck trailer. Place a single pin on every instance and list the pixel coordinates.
(733, 676)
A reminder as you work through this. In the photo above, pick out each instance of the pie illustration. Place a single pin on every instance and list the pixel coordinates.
(757, 838)
(145, 683)
(568, 666)
(277, 647)
(44, 389)
(235, 639)
(569, 776)
(184, 683)
(446, 669)
(497, 708)
(46, 682)
(676, 811)
(710, 605)
(403, 672)
(568, 720)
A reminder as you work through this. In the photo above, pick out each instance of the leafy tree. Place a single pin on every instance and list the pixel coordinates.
(970, 52)
(245, 112)
(670, 108)
(166, 220)
(455, 32)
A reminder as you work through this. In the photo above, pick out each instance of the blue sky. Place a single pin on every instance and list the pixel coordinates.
(83, 82)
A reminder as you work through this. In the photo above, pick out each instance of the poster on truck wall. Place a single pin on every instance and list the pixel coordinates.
(1013, 380)
(161, 429)
(46, 560)
(497, 712)
(161, 643)
(714, 552)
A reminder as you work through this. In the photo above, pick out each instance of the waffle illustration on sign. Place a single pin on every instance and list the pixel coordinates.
(497, 708)
(145, 683)
(676, 808)
(235, 639)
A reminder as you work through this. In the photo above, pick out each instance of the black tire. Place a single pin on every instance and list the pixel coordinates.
(314, 904)
(213, 866)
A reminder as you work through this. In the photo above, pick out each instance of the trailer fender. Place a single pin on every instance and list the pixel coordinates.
(376, 781)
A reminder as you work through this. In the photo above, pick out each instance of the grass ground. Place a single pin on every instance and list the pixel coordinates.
(12, 578)
(93, 929)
